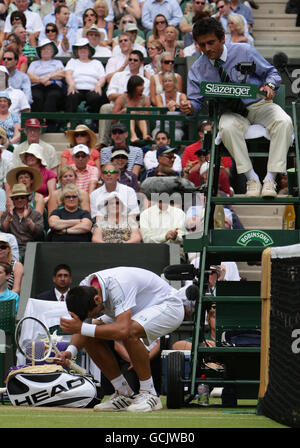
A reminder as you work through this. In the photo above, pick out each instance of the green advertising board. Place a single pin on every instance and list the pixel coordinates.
(228, 90)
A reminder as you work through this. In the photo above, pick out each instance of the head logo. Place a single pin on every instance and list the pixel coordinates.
(255, 235)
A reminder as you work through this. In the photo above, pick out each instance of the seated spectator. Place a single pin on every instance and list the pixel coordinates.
(5, 166)
(96, 37)
(82, 5)
(19, 18)
(170, 98)
(85, 78)
(186, 22)
(6, 154)
(119, 156)
(81, 135)
(155, 48)
(87, 175)
(17, 270)
(119, 63)
(32, 131)
(24, 223)
(12, 241)
(119, 135)
(116, 226)
(32, 179)
(61, 279)
(166, 62)
(69, 222)
(110, 176)
(122, 8)
(89, 18)
(5, 292)
(162, 223)
(14, 44)
(165, 158)
(160, 24)
(26, 48)
(170, 9)
(9, 121)
(189, 154)
(162, 138)
(34, 24)
(33, 158)
(134, 97)
(19, 102)
(128, 18)
(67, 175)
(201, 177)
(186, 344)
(46, 76)
(131, 29)
(237, 31)
(50, 18)
(171, 42)
(66, 35)
(17, 79)
(63, 46)
(102, 11)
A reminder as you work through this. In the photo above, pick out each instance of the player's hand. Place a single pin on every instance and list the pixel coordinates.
(63, 358)
(186, 107)
(269, 92)
(71, 326)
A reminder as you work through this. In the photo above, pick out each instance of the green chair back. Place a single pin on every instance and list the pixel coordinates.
(7, 316)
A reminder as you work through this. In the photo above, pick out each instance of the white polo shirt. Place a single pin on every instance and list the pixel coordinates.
(126, 194)
(34, 22)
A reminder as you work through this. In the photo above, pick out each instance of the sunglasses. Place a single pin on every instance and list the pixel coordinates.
(200, 3)
(71, 197)
(90, 15)
(11, 41)
(81, 156)
(133, 60)
(123, 40)
(220, 7)
(110, 172)
(3, 247)
(81, 134)
(168, 156)
(117, 131)
(50, 30)
(191, 229)
(7, 59)
(168, 62)
(20, 197)
(160, 22)
(127, 21)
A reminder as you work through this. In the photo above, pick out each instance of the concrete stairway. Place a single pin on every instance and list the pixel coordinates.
(58, 140)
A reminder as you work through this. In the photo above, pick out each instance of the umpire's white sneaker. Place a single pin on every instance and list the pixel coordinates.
(145, 402)
(115, 403)
(253, 188)
(269, 189)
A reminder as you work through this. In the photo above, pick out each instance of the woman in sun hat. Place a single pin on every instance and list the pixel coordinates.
(85, 78)
(46, 76)
(33, 158)
(85, 136)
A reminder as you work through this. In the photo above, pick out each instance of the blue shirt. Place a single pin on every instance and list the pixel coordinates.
(243, 10)
(20, 80)
(10, 295)
(203, 69)
(168, 8)
(72, 22)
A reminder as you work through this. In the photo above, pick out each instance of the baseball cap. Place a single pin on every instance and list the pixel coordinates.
(80, 148)
(121, 126)
(164, 150)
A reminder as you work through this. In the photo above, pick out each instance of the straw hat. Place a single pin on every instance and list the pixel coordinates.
(12, 176)
(94, 28)
(70, 135)
(19, 190)
(46, 42)
(36, 150)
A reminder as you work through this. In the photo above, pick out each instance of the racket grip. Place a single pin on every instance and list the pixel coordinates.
(77, 368)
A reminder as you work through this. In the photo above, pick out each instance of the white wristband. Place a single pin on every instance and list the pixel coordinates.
(73, 350)
(88, 330)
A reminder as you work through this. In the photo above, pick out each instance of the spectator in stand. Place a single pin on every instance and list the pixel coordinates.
(162, 138)
(67, 175)
(6, 154)
(119, 63)
(12, 241)
(119, 157)
(96, 37)
(201, 177)
(155, 48)
(50, 18)
(5, 166)
(134, 97)
(89, 18)
(69, 222)
(82, 5)
(131, 29)
(160, 24)
(165, 158)
(169, 8)
(81, 135)
(239, 8)
(13, 43)
(87, 175)
(26, 48)
(34, 24)
(23, 222)
(63, 47)
(189, 157)
(171, 42)
(101, 8)
(65, 35)
(5, 292)
(121, 28)
(116, 226)
(19, 102)
(171, 99)
(122, 8)
(46, 76)
(17, 269)
(33, 130)
(166, 63)
(110, 176)
(9, 121)
(33, 158)
(17, 79)
(186, 22)
(119, 135)
(85, 78)
(62, 279)
(237, 31)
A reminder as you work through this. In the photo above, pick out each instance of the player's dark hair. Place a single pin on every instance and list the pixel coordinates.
(80, 300)
(208, 25)
(57, 268)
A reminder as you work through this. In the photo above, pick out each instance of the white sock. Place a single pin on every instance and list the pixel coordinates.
(270, 176)
(148, 386)
(120, 384)
(251, 174)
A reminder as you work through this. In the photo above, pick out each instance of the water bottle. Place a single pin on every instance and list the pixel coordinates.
(203, 394)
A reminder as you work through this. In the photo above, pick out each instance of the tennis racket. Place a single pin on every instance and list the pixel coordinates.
(39, 349)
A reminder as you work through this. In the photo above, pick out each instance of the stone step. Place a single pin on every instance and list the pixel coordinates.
(281, 33)
(270, 7)
(259, 211)
(274, 21)
(263, 223)
(58, 140)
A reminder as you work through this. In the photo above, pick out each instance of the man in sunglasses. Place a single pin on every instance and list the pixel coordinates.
(168, 8)
(17, 79)
(186, 23)
(87, 175)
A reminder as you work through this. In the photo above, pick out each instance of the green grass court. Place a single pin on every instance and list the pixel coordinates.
(244, 416)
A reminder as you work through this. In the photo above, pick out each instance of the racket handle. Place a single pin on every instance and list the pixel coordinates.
(77, 368)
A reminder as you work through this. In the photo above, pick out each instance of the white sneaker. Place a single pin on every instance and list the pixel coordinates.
(145, 402)
(269, 189)
(253, 188)
(115, 403)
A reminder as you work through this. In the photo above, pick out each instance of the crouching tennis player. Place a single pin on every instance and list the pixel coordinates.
(132, 303)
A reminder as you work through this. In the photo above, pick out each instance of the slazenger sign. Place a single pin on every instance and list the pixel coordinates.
(255, 235)
(228, 90)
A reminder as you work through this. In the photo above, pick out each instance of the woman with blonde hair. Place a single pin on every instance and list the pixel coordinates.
(165, 64)
(155, 48)
(101, 8)
(67, 175)
(171, 43)
(237, 31)
(17, 269)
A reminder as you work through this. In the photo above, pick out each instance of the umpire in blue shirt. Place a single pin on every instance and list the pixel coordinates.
(234, 121)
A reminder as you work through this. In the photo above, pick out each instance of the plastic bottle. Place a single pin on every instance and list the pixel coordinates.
(289, 217)
(219, 217)
(203, 394)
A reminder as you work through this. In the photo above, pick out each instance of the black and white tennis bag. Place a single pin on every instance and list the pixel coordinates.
(51, 389)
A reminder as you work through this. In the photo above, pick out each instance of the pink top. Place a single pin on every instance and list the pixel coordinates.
(86, 176)
(46, 175)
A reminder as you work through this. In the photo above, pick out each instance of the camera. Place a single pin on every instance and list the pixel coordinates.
(246, 68)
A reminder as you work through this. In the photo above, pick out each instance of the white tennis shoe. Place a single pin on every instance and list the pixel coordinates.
(145, 402)
(116, 403)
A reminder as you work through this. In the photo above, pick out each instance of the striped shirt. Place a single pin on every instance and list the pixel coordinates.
(85, 177)
(135, 156)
